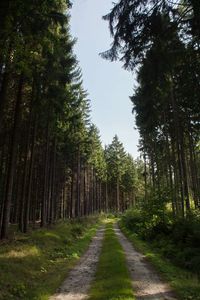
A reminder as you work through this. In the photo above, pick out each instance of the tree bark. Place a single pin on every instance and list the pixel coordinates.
(12, 160)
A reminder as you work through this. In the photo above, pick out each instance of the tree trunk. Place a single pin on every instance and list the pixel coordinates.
(12, 160)
(118, 195)
(45, 190)
(30, 179)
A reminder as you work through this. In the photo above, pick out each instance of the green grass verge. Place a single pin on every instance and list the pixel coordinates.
(184, 283)
(33, 265)
(112, 279)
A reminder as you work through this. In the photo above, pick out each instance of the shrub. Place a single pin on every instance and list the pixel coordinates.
(133, 220)
(177, 239)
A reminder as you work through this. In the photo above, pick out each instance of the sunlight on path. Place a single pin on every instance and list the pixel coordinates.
(146, 283)
(76, 285)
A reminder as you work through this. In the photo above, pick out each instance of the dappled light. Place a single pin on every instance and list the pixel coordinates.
(69, 296)
(29, 251)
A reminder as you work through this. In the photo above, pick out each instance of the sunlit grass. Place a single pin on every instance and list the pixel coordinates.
(112, 280)
(34, 265)
(21, 252)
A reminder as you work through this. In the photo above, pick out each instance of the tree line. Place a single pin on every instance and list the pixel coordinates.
(52, 163)
(159, 41)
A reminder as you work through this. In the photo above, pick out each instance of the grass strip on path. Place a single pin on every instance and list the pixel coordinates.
(33, 265)
(112, 280)
(184, 283)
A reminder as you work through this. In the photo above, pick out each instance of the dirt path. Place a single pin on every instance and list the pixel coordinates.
(146, 283)
(76, 285)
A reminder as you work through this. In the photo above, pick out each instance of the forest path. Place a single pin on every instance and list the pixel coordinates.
(146, 282)
(76, 286)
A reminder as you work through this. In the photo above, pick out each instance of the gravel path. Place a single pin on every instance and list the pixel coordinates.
(76, 285)
(146, 283)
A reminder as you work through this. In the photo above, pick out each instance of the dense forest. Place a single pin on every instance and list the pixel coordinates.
(60, 187)
(159, 42)
(52, 163)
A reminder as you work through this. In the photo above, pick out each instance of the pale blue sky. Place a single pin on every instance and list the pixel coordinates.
(108, 84)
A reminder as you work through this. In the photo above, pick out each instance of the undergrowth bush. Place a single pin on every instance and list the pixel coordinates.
(177, 239)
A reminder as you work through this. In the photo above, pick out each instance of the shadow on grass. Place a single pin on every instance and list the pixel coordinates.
(33, 267)
(27, 277)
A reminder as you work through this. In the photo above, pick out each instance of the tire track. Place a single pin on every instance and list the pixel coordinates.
(77, 284)
(146, 282)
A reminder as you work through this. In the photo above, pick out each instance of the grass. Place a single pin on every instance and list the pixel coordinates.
(112, 279)
(33, 266)
(184, 283)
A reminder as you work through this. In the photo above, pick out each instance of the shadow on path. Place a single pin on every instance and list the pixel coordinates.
(146, 282)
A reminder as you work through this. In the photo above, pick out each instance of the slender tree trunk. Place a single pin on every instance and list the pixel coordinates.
(4, 87)
(73, 194)
(78, 184)
(52, 203)
(173, 195)
(12, 160)
(30, 179)
(26, 170)
(177, 139)
(118, 195)
(106, 192)
(145, 178)
(45, 191)
(4, 172)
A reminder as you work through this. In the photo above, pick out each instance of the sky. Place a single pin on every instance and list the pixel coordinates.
(107, 83)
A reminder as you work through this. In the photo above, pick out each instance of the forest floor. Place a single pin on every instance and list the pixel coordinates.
(146, 283)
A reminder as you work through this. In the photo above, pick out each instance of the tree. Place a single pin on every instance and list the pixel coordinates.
(158, 38)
